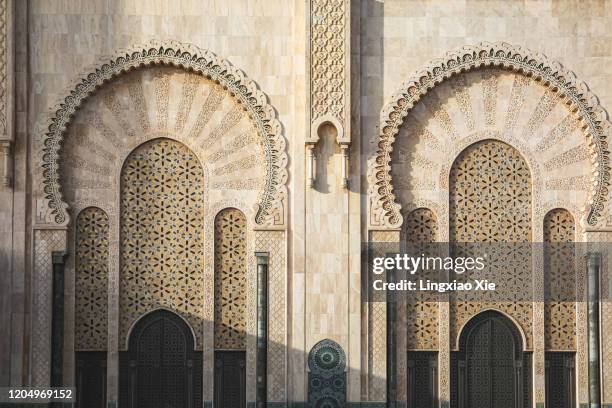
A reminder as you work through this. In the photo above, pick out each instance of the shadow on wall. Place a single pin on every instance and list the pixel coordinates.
(329, 160)
(161, 366)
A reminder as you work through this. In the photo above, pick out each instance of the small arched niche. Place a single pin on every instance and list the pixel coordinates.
(327, 156)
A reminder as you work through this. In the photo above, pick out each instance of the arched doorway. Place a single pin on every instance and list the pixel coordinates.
(161, 368)
(490, 200)
(490, 369)
(161, 250)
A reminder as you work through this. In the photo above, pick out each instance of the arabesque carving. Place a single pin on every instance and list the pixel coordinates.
(271, 204)
(384, 211)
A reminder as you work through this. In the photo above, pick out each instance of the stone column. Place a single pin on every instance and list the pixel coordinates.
(6, 88)
(5, 146)
(11, 211)
(46, 242)
(262, 329)
(391, 343)
(538, 327)
(593, 272)
(57, 317)
(331, 191)
(444, 351)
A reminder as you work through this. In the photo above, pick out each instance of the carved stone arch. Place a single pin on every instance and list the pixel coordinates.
(327, 120)
(271, 202)
(527, 156)
(559, 225)
(209, 269)
(522, 150)
(385, 211)
(478, 214)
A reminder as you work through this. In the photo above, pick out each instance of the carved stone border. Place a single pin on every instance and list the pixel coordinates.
(384, 211)
(270, 210)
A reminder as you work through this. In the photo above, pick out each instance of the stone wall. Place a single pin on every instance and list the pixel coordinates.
(273, 43)
(399, 39)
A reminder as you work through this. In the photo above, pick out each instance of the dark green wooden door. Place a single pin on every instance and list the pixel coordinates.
(90, 379)
(560, 380)
(490, 369)
(161, 368)
(230, 379)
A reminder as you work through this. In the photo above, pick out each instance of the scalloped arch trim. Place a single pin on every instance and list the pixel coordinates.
(189, 57)
(384, 211)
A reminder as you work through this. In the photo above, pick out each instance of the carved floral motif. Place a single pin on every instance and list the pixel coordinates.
(384, 211)
(271, 201)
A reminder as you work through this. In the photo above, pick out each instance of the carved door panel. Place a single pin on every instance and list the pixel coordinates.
(161, 367)
(422, 379)
(91, 379)
(147, 367)
(230, 379)
(491, 369)
(504, 387)
(478, 368)
(560, 380)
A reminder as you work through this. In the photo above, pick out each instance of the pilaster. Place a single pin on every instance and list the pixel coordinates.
(8, 211)
(332, 189)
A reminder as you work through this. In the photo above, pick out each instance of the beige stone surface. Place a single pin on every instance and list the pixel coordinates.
(316, 255)
(400, 38)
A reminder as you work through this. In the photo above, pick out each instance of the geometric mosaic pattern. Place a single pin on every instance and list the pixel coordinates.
(421, 226)
(422, 307)
(230, 280)
(559, 281)
(274, 243)
(45, 242)
(490, 195)
(559, 227)
(490, 201)
(91, 280)
(377, 324)
(162, 220)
